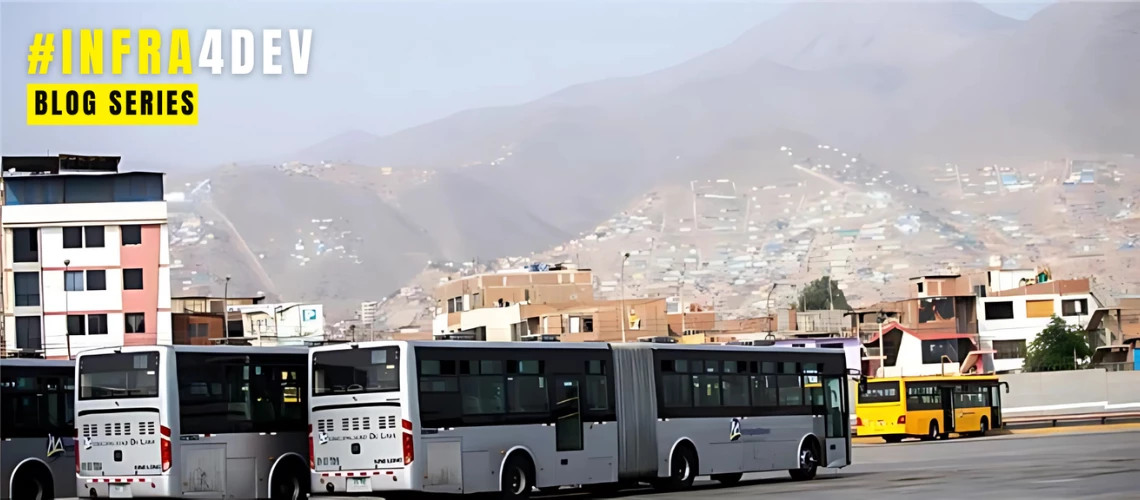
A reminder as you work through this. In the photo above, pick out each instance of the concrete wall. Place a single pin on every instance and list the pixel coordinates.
(1070, 392)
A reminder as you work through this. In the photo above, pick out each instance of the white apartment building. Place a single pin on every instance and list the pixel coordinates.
(368, 313)
(291, 323)
(85, 256)
(1012, 319)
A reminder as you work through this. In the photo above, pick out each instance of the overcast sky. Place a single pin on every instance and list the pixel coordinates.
(377, 67)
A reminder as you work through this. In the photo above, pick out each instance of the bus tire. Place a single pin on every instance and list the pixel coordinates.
(985, 427)
(683, 469)
(932, 434)
(728, 479)
(33, 481)
(809, 461)
(289, 481)
(518, 476)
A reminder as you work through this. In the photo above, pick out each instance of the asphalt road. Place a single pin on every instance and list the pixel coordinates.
(1094, 466)
(1099, 466)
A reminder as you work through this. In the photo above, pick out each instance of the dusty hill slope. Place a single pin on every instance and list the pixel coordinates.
(901, 81)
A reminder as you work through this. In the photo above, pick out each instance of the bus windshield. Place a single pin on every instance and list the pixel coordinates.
(879, 392)
(356, 370)
(119, 375)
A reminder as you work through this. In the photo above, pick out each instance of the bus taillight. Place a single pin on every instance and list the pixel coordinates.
(901, 420)
(312, 460)
(75, 445)
(165, 444)
(858, 422)
(409, 446)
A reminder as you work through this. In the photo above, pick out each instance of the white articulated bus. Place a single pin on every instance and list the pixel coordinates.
(476, 417)
(177, 421)
(36, 429)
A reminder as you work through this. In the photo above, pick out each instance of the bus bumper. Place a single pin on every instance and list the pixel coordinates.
(126, 487)
(360, 482)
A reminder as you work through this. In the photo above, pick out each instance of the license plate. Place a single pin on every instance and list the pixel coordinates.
(356, 484)
(120, 491)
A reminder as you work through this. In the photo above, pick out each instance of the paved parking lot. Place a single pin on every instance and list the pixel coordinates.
(1066, 466)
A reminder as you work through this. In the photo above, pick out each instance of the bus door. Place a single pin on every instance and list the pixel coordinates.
(947, 409)
(995, 406)
(837, 419)
(569, 434)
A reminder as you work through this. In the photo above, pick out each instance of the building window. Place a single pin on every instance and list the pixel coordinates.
(1075, 307)
(87, 236)
(75, 324)
(920, 288)
(933, 350)
(198, 330)
(132, 279)
(519, 330)
(73, 281)
(27, 289)
(96, 324)
(97, 280)
(132, 234)
(94, 236)
(1009, 349)
(135, 322)
(1039, 308)
(72, 237)
(999, 310)
(25, 245)
(28, 333)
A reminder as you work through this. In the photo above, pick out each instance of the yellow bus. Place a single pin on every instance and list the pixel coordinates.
(928, 407)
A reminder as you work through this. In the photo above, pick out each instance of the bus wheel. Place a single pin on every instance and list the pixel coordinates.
(933, 433)
(518, 477)
(728, 479)
(809, 462)
(288, 484)
(33, 482)
(985, 427)
(682, 469)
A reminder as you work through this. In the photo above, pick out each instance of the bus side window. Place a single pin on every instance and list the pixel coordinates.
(597, 388)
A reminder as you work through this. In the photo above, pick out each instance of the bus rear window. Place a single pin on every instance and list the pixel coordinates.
(879, 392)
(356, 370)
(120, 375)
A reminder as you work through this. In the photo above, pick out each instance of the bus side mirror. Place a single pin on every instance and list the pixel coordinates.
(1006, 385)
(862, 380)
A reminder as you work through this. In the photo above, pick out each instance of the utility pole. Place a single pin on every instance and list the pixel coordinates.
(622, 317)
(226, 309)
(830, 296)
(66, 311)
(882, 353)
(681, 299)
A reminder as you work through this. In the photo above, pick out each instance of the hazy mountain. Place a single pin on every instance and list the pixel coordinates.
(902, 81)
(1064, 83)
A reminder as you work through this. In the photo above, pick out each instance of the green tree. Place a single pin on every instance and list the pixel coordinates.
(1058, 347)
(816, 297)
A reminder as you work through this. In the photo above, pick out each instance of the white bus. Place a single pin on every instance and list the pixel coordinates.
(175, 421)
(36, 428)
(472, 417)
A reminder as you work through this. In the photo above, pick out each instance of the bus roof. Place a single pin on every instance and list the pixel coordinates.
(464, 344)
(58, 363)
(934, 378)
(207, 349)
(479, 344)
